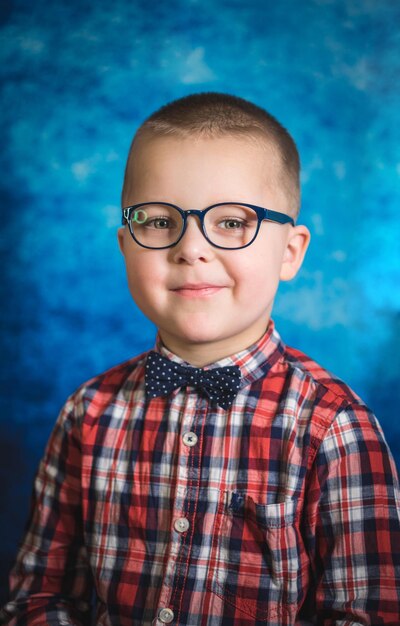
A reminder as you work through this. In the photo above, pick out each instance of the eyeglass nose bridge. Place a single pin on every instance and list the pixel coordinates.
(197, 212)
(200, 213)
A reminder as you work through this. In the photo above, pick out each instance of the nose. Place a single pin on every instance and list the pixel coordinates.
(193, 246)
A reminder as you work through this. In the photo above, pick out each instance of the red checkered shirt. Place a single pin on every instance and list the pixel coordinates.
(282, 510)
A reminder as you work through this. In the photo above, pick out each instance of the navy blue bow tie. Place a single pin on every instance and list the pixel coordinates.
(162, 376)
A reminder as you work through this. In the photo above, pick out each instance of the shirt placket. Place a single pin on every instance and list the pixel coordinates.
(194, 411)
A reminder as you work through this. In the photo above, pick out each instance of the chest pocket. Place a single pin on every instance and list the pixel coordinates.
(258, 561)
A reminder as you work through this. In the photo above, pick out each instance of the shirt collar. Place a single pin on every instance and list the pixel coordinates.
(254, 362)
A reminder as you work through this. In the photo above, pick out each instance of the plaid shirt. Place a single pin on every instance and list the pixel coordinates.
(282, 510)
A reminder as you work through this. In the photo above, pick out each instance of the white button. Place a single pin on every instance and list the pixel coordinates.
(190, 439)
(166, 616)
(181, 525)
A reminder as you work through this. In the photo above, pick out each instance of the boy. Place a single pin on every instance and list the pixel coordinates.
(223, 478)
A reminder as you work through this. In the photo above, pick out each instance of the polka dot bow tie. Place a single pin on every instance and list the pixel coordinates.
(162, 376)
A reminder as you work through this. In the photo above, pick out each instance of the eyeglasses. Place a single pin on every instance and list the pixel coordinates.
(227, 225)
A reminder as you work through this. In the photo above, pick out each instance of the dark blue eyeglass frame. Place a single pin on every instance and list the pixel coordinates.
(262, 215)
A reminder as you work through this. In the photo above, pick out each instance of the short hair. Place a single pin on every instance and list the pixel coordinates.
(212, 114)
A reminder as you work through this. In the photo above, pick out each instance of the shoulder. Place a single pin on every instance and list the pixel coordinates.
(343, 429)
(93, 396)
(334, 408)
(325, 383)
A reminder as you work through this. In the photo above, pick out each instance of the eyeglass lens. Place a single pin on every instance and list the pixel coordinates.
(228, 226)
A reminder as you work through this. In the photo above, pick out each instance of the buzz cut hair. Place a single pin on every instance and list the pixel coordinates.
(213, 114)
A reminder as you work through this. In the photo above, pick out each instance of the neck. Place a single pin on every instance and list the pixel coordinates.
(202, 354)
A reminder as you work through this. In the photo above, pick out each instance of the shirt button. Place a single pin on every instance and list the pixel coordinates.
(181, 525)
(166, 616)
(190, 439)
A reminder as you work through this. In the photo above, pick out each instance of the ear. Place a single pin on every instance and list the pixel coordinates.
(121, 239)
(296, 247)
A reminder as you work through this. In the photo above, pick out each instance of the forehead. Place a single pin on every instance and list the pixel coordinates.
(211, 169)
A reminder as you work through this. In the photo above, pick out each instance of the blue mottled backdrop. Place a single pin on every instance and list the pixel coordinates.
(77, 79)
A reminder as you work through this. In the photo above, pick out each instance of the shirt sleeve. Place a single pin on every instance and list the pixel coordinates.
(50, 582)
(353, 526)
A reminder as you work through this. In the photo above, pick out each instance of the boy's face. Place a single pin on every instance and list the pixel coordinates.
(209, 303)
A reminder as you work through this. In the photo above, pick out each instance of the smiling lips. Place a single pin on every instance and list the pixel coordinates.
(199, 290)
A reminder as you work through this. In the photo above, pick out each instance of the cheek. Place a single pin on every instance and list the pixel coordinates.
(144, 274)
(258, 276)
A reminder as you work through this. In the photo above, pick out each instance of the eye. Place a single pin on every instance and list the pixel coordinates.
(232, 223)
(160, 223)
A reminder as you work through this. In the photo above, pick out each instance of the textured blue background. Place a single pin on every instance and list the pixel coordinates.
(77, 79)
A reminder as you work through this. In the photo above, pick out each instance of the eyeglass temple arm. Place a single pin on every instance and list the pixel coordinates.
(125, 215)
(274, 216)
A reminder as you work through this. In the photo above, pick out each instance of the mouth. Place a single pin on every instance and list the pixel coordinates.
(199, 290)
